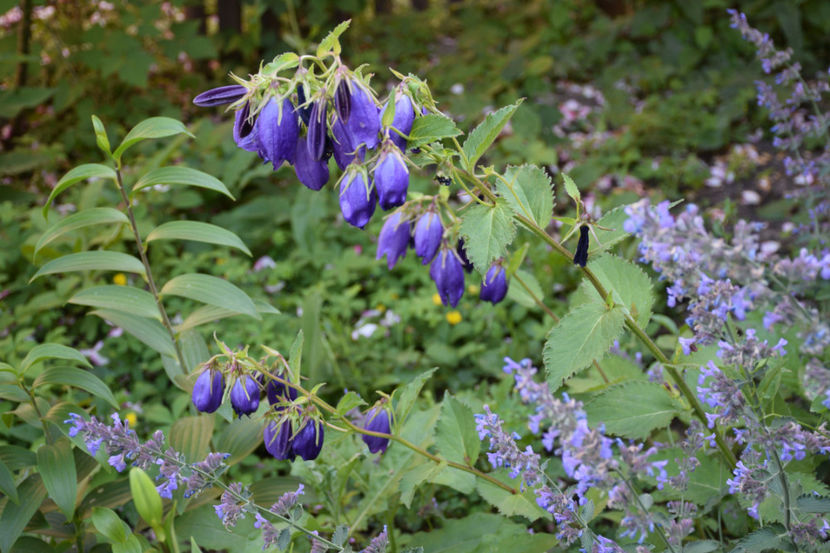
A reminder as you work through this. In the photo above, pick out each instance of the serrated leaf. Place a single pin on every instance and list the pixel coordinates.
(431, 128)
(41, 352)
(78, 378)
(198, 232)
(633, 409)
(119, 298)
(148, 331)
(613, 221)
(286, 60)
(422, 472)
(584, 334)
(85, 218)
(516, 292)
(487, 232)
(56, 466)
(332, 41)
(146, 497)
(16, 516)
(459, 480)
(209, 313)
(529, 193)
(173, 176)
(408, 394)
(154, 127)
(191, 436)
(813, 503)
(7, 485)
(701, 546)
(764, 539)
(76, 175)
(521, 504)
(455, 435)
(482, 533)
(212, 291)
(486, 133)
(348, 402)
(571, 189)
(97, 260)
(628, 283)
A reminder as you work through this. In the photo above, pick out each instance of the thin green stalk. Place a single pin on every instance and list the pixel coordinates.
(147, 270)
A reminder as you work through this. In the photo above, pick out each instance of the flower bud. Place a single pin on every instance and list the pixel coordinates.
(304, 111)
(494, 285)
(245, 395)
(208, 391)
(277, 131)
(278, 440)
(313, 174)
(391, 179)
(317, 130)
(244, 130)
(581, 254)
(342, 100)
(308, 441)
(363, 123)
(357, 199)
(377, 420)
(219, 96)
(403, 119)
(428, 233)
(448, 275)
(393, 239)
(462, 255)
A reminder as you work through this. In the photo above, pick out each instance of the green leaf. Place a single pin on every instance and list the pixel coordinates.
(101, 135)
(148, 331)
(154, 127)
(431, 128)
(239, 439)
(42, 352)
(332, 41)
(348, 402)
(423, 472)
(78, 378)
(522, 504)
(212, 291)
(286, 60)
(110, 525)
(517, 292)
(198, 232)
(295, 356)
(528, 192)
(191, 436)
(17, 99)
(486, 133)
(119, 298)
(768, 538)
(571, 189)
(455, 434)
(171, 176)
(145, 497)
(581, 336)
(487, 232)
(630, 286)
(409, 394)
(7, 485)
(77, 174)
(633, 409)
(813, 503)
(56, 465)
(613, 220)
(701, 546)
(15, 517)
(96, 260)
(85, 218)
(482, 533)
(209, 313)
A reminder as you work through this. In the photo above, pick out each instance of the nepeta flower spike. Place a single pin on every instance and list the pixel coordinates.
(312, 173)
(428, 233)
(581, 254)
(394, 239)
(357, 199)
(220, 96)
(448, 275)
(308, 441)
(377, 420)
(277, 131)
(391, 178)
(208, 391)
(494, 285)
(245, 396)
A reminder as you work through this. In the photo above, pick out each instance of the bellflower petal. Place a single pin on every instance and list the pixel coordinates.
(391, 179)
(313, 174)
(393, 240)
(220, 96)
(448, 275)
(428, 233)
(357, 199)
(494, 285)
(277, 131)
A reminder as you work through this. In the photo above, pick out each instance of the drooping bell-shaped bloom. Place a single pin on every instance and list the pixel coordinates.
(277, 392)
(343, 100)
(308, 441)
(317, 130)
(391, 178)
(403, 119)
(208, 391)
(462, 255)
(312, 173)
(344, 152)
(377, 420)
(448, 276)
(363, 124)
(494, 285)
(428, 233)
(277, 131)
(220, 96)
(245, 395)
(303, 110)
(393, 239)
(277, 440)
(357, 198)
(244, 130)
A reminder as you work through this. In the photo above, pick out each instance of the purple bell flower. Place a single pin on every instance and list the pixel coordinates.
(277, 392)
(317, 130)
(363, 124)
(244, 130)
(394, 239)
(220, 96)
(245, 396)
(357, 199)
(377, 420)
(462, 255)
(342, 145)
(391, 178)
(448, 275)
(278, 440)
(308, 441)
(313, 174)
(343, 100)
(403, 119)
(304, 111)
(277, 132)
(428, 233)
(494, 285)
(208, 391)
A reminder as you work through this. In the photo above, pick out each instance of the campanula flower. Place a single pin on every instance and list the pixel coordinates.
(303, 110)
(219, 96)
(244, 130)
(245, 396)
(277, 129)
(344, 152)
(277, 392)
(308, 441)
(377, 420)
(402, 121)
(494, 285)
(343, 100)
(394, 239)
(391, 178)
(208, 391)
(448, 275)
(277, 439)
(357, 198)
(428, 233)
(363, 124)
(317, 130)
(312, 173)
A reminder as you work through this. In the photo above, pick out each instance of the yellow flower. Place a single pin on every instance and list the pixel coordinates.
(380, 307)
(473, 289)
(436, 299)
(131, 418)
(453, 317)
(120, 279)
